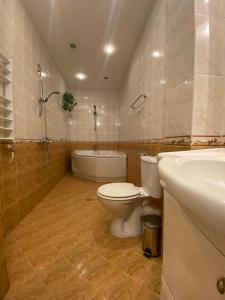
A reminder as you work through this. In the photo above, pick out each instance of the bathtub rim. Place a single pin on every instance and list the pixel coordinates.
(117, 154)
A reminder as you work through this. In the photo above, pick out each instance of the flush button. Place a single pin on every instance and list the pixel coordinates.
(221, 285)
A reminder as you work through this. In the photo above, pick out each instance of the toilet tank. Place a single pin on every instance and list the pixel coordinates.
(150, 176)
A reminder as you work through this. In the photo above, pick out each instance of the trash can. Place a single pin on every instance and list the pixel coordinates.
(151, 243)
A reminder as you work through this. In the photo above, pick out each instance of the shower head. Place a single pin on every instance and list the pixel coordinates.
(52, 93)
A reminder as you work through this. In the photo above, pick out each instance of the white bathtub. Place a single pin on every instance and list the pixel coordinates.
(100, 166)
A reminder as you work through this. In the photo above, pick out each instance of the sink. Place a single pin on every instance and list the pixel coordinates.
(197, 180)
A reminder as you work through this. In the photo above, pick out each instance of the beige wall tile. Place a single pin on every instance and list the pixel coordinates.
(208, 107)
(215, 8)
(178, 113)
(21, 43)
(209, 45)
(180, 53)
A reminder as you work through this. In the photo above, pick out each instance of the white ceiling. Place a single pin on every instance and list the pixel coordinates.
(91, 24)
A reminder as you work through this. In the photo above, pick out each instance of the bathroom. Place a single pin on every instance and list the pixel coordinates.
(112, 113)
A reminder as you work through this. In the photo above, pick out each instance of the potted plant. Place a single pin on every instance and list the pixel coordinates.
(68, 101)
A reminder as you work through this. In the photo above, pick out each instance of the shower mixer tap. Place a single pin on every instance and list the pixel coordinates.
(42, 98)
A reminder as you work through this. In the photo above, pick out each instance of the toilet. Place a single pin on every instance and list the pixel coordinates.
(128, 202)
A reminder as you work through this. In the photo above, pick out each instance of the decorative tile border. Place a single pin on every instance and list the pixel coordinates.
(206, 140)
(37, 141)
(177, 140)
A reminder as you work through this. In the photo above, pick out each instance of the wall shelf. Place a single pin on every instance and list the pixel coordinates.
(6, 138)
(3, 69)
(3, 79)
(5, 119)
(6, 129)
(4, 59)
(6, 100)
(4, 109)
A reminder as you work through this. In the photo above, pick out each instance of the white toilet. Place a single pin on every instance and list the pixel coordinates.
(127, 201)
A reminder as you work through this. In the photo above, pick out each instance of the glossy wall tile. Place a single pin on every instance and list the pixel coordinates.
(21, 43)
(82, 118)
(209, 90)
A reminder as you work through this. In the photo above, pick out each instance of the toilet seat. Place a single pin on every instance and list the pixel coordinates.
(118, 191)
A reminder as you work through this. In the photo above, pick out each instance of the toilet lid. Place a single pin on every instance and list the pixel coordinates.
(118, 190)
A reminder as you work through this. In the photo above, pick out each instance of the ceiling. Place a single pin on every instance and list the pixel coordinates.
(91, 24)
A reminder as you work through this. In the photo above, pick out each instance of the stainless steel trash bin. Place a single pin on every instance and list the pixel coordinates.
(151, 243)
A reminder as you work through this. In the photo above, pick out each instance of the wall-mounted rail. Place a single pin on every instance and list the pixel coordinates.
(136, 101)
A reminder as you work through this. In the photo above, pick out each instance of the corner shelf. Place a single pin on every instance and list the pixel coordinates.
(4, 109)
(6, 100)
(3, 79)
(3, 69)
(6, 119)
(6, 129)
(4, 60)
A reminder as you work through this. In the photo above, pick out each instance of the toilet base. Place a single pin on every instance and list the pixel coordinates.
(130, 227)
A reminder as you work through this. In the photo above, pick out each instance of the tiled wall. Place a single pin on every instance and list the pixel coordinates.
(209, 91)
(82, 118)
(179, 71)
(25, 181)
(146, 75)
(180, 66)
(163, 70)
(19, 41)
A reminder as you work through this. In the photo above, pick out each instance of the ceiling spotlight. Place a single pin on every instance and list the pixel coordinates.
(157, 54)
(73, 46)
(109, 49)
(80, 76)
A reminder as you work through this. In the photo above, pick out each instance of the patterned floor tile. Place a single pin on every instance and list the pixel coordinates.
(63, 250)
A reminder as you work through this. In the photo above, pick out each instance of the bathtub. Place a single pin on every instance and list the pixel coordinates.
(100, 165)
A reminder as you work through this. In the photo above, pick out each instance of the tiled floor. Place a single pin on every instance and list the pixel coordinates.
(63, 250)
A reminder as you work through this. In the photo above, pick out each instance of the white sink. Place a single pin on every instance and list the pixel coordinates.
(197, 180)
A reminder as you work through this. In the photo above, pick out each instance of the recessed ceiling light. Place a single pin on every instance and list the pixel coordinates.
(80, 76)
(157, 54)
(109, 49)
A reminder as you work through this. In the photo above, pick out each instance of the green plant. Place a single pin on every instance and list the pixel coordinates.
(68, 101)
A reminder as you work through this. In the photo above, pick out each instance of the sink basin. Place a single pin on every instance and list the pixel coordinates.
(197, 180)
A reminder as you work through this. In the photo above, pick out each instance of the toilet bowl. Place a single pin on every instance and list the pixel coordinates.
(128, 202)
